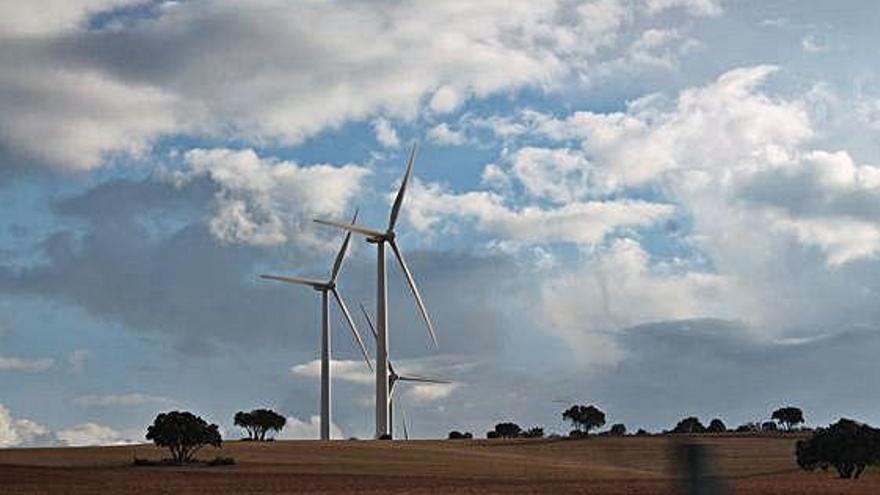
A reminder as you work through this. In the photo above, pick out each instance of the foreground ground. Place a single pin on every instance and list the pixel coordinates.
(631, 465)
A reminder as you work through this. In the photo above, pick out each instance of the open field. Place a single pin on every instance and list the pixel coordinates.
(631, 465)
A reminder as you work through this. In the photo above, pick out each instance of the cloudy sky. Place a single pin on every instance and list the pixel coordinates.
(664, 207)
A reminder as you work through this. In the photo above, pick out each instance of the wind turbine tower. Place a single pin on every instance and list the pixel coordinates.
(326, 289)
(380, 239)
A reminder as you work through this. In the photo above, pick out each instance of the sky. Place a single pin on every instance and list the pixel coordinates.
(662, 207)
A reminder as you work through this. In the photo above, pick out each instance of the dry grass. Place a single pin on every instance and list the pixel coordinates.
(761, 465)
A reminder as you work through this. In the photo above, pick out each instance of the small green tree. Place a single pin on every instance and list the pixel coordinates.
(259, 422)
(689, 425)
(584, 418)
(183, 433)
(716, 426)
(847, 445)
(788, 416)
(534, 432)
(617, 430)
(507, 430)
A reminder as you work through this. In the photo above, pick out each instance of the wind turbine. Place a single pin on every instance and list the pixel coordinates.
(327, 288)
(394, 377)
(381, 238)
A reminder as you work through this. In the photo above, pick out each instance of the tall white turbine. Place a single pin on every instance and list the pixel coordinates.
(327, 288)
(394, 377)
(380, 239)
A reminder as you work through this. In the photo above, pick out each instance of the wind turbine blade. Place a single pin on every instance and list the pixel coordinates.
(369, 321)
(422, 379)
(398, 201)
(414, 289)
(341, 255)
(351, 228)
(405, 429)
(354, 331)
(295, 280)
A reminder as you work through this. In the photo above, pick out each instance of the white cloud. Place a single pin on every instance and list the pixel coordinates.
(385, 133)
(266, 202)
(27, 365)
(444, 135)
(810, 44)
(428, 392)
(77, 360)
(717, 127)
(87, 434)
(297, 429)
(46, 17)
(430, 205)
(350, 371)
(557, 175)
(21, 432)
(619, 287)
(114, 400)
(74, 97)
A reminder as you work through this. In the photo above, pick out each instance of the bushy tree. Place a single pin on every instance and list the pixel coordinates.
(769, 427)
(716, 426)
(617, 430)
(584, 418)
(788, 416)
(259, 422)
(847, 445)
(689, 425)
(183, 433)
(534, 432)
(748, 428)
(457, 435)
(507, 430)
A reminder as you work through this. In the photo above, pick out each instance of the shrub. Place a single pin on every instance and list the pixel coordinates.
(457, 435)
(618, 430)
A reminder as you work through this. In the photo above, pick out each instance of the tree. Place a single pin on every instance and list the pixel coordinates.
(183, 433)
(788, 416)
(584, 418)
(457, 435)
(617, 430)
(716, 426)
(534, 432)
(507, 430)
(689, 425)
(847, 445)
(769, 427)
(259, 422)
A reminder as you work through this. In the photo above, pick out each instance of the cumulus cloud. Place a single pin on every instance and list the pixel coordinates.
(26, 365)
(385, 133)
(263, 201)
(21, 432)
(77, 95)
(575, 222)
(298, 429)
(619, 287)
(88, 434)
(351, 371)
(444, 135)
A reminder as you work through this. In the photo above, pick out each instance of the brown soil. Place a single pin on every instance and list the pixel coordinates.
(630, 465)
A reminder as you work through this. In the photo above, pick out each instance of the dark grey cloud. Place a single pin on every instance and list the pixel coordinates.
(145, 258)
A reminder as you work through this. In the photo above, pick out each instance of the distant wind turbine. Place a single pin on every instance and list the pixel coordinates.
(326, 288)
(394, 377)
(380, 238)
